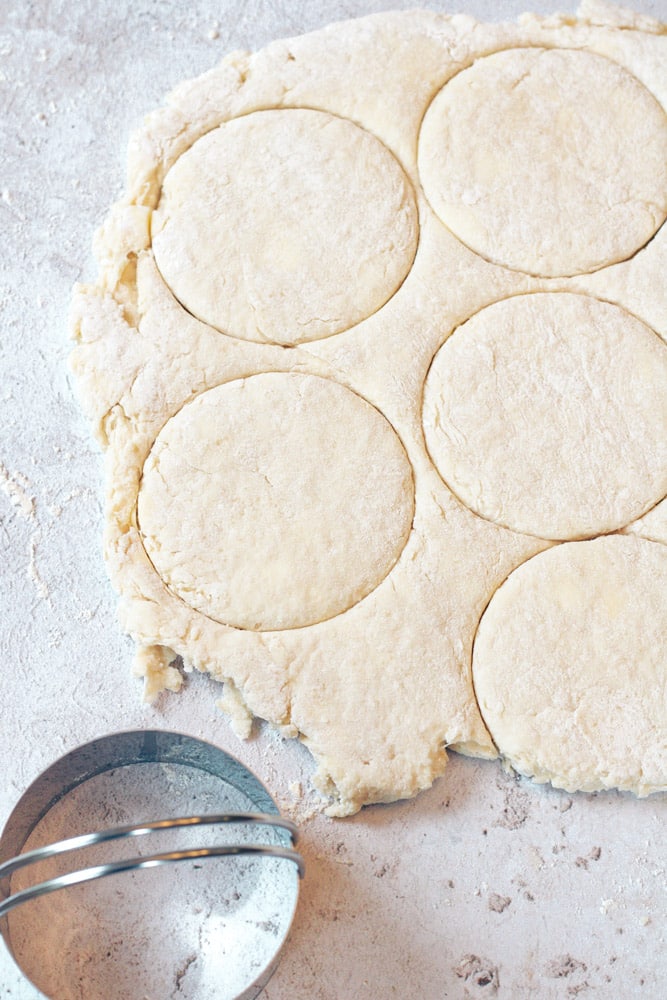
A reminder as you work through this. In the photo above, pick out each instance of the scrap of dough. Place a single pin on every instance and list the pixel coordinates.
(550, 161)
(547, 413)
(285, 226)
(275, 501)
(382, 689)
(155, 665)
(570, 666)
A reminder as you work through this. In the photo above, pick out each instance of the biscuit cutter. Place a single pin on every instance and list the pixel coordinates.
(119, 750)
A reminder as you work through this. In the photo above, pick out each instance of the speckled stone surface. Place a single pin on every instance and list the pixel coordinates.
(485, 886)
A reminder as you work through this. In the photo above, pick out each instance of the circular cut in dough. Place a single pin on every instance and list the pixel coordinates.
(275, 501)
(547, 413)
(570, 665)
(548, 161)
(285, 226)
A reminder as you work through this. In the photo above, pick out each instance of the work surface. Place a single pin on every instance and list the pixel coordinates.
(486, 885)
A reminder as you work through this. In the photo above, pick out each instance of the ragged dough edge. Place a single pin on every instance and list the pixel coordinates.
(351, 793)
(106, 317)
(610, 15)
(350, 790)
(150, 613)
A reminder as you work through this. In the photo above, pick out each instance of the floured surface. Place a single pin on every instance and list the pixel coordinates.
(397, 900)
(251, 198)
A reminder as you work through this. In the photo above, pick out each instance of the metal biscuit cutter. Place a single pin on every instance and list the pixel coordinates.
(276, 834)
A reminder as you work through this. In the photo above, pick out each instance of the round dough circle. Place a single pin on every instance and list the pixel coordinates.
(547, 413)
(285, 226)
(275, 501)
(550, 161)
(570, 665)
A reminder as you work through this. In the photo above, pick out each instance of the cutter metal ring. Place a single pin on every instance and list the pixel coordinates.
(119, 750)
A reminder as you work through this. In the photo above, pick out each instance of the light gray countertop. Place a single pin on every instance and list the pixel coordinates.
(555, 895)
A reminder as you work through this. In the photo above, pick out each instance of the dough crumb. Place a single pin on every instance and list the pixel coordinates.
(33, 572)
(156, 665)
(16, 486)
(296, 789)
(233, 705)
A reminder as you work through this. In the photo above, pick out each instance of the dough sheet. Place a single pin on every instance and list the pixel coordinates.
(376, 355)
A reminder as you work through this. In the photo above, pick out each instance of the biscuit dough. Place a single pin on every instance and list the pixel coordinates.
(506, 194)
(570, 665)
(281, 195)
(548, 413)
(312, 235)
(245, 521)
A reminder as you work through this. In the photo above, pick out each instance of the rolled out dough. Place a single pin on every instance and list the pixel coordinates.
(275, 501)
(570, 665)
(532, 180)
(310, 223)
(548, 413)
(379, 326)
